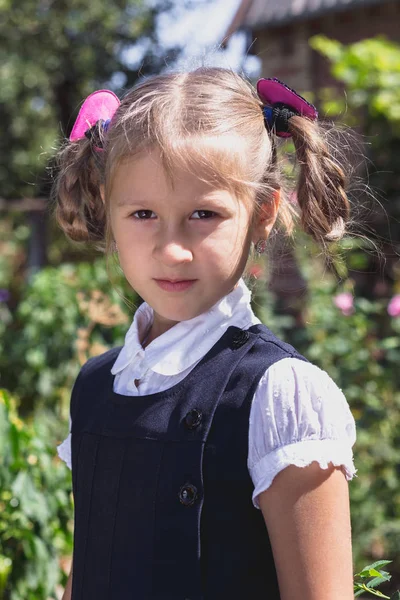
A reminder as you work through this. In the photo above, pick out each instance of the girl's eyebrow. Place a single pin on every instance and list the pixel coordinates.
(130, 201)
(204, 200)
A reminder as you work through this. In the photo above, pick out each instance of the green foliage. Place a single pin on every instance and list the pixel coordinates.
(43, 341)
(52, 55)
(35, 506)
(368, 579)
(13, 235)
(370, 73)
(370, 69)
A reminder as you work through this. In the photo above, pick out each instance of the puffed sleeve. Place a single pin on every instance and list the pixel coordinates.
(64, 449)
(298, 415)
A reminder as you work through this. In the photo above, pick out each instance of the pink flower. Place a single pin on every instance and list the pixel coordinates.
(344, 302)
(394, 306)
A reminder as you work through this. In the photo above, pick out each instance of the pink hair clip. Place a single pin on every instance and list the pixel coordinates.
(98, 106)
(282, 103)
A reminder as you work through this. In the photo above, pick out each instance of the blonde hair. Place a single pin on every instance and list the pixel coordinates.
(212, 118)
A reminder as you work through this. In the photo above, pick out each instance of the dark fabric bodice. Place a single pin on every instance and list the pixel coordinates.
(161, 487)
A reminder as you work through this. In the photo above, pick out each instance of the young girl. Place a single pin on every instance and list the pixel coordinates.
(209, 458)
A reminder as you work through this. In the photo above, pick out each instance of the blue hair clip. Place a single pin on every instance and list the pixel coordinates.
(93, 134)
(277, 118)
(268, 116)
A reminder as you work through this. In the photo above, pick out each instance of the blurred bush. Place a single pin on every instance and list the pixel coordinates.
(35, 506)
(370, 69)
(368, 100)
(52, 56)
(61, 308)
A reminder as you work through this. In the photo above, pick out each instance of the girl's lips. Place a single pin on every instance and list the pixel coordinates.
(175, 286)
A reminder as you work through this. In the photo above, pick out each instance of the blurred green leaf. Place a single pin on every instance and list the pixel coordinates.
(52, 56)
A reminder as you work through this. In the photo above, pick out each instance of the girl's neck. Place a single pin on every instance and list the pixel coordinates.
(156, 329)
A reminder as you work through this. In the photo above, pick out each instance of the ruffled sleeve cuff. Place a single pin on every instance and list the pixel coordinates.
(298, 416)
(302, 454)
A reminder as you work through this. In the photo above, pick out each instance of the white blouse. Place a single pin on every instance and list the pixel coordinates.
(298, 414)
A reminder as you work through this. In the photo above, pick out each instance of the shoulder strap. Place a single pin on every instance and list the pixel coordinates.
(97, 367)
(268, 336)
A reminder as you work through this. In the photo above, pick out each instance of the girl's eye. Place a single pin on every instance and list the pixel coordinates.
(203, 214)
(143, 215)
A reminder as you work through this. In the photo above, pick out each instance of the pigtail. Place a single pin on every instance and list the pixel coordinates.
(79, 209)
(321, 195)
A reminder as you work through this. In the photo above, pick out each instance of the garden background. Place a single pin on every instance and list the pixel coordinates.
(58, 308)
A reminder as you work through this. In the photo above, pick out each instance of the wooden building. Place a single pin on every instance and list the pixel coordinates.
(279, 31)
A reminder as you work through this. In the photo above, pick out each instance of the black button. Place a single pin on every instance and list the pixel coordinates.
(188, 494)
(193, 418)
(239, 338)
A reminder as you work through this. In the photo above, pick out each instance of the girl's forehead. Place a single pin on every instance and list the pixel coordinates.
(147, 175)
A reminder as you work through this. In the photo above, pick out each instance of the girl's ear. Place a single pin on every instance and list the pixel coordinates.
(266, 216)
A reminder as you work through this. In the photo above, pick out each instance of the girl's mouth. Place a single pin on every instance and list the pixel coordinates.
(169, 285)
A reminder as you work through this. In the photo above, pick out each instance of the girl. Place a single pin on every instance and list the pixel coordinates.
(209, 458)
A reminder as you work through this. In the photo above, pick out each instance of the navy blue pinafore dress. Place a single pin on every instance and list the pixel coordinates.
(161, 487)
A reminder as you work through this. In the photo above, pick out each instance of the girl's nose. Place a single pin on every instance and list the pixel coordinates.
(171, 252)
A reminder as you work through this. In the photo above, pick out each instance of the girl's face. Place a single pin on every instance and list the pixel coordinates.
(181, 248)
